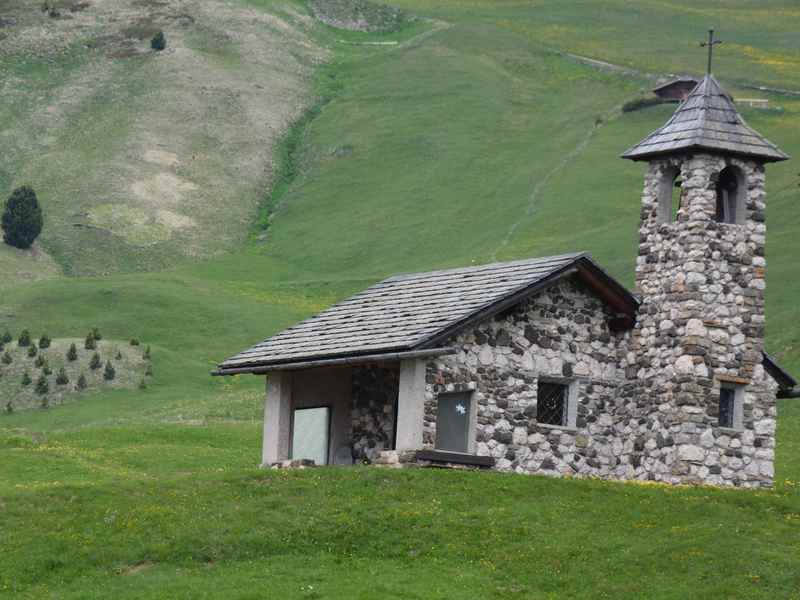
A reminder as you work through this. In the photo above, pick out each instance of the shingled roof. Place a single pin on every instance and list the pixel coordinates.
(417, 311)
(706, 120)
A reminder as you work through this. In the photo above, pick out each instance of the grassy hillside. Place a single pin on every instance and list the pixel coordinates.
(466, 137)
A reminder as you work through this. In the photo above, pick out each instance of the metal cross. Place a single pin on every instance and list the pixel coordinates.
(710, 43)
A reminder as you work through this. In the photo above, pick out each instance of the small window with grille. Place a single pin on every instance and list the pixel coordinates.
(727, 406)
(552, 403)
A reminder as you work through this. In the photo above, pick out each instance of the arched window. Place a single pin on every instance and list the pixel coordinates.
(669, 195)
(730, 194)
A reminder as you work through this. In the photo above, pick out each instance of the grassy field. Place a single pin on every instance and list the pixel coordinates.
(465, 138)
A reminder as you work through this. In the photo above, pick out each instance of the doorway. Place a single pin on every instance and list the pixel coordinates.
(311, 434)
(453, 422)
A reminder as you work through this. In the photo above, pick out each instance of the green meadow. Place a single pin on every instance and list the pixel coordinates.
(468, 135)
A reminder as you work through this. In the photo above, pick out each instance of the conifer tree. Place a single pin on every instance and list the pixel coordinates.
(32, 350)
(61, 378)
(95, 363)
(109, 373)
(42, 387)
(81, 385)
(72, 353)
(22, 218)
(7, 337)
(90, 343)
(24, 339)
(26, 379)
(7, 360)
(44, 342)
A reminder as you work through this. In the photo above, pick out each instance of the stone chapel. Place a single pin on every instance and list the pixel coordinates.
(549, 365)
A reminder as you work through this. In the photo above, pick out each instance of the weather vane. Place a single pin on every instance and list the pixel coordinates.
(710, 44)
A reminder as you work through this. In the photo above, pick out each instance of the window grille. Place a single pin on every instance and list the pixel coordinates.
(727, 402)
(551, 403)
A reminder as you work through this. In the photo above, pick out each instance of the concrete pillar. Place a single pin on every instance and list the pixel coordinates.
(410, 405)
(277, 418)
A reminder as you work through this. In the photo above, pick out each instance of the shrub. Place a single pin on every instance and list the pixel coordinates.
(109, 373)
(96, 334)
(9, 407)
(118, 356)
(7, 360)
(22, 218)
(39, 362)
(95, 363)
(26, 379)
(47, 370)
(72, 353)
(32, 350)
(7, 337)
(90, 343)
(159, 42)
(81, 385)
(44, 342)
(142, 385)
(61, 378)
(640, 103)
(42, 387)
(134, 342)
(24, 339)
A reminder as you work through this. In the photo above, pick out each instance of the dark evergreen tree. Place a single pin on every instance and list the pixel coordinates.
(72, 353)
(61, 378)
(159, 41)
(95, 363)
(9, 407)
(7, 360)
(32, 350)
(96, 334)
(134, 342)
(109, 373)
(46, 369)
(81, 385)
(90, 343)
(22, 219)
(7, 337)
(42, 387)
(24, 339)
(26, 379)
(39, 362)
(44, 341)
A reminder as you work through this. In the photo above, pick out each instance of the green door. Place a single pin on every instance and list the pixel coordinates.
(452, 422)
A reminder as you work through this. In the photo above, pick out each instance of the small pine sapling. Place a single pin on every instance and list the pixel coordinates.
(39, 362)
(81, 385)
(134, 342)
(7, 360)
(142, 385)
(91, 342)
(42, 387)
(95, 363)
(9, 407)
(32, 350)
(7, 337)
(118, 356)
(72, 353)
(24, 339)
(26, 379)
(44, 342)
(159, 42)
(46, 369)
(109, 372)
(96, 334)
(45, 403)
(61, 378)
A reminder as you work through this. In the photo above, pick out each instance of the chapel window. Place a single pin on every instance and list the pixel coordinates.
(730, 406)
(669, 196)
(555, 403)
(729, 193)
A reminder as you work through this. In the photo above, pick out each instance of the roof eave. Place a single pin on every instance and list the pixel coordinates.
(635, 155)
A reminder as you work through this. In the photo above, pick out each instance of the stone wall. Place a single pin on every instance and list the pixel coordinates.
(701, 323)
(562, 334)
(375, 392)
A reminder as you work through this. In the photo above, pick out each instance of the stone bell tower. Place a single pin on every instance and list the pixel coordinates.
(699, 340)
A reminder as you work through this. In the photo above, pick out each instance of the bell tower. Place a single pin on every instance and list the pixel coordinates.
(699, 339)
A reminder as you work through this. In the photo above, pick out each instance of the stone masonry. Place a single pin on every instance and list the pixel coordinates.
(374, 401)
